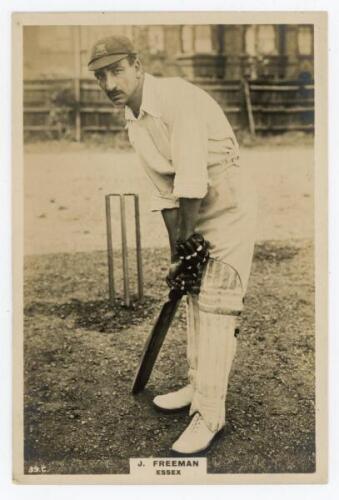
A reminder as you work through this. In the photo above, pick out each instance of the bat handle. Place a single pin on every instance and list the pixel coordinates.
(175, 294)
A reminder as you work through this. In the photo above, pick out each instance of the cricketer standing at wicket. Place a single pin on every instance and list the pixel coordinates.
(188, 149)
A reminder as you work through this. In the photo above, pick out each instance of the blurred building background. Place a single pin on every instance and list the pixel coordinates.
(262, 75)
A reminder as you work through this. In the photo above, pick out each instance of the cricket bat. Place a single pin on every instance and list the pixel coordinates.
(155, 340)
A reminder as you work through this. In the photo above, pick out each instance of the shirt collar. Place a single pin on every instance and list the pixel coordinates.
(149, 103)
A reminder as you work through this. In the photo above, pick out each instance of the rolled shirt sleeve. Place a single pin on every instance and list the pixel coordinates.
(162, 197)
(162, 202)
(189, 148)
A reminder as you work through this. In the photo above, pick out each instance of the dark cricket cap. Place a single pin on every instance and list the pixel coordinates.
(109, 50)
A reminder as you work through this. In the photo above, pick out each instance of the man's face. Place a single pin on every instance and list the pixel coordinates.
(119, 81)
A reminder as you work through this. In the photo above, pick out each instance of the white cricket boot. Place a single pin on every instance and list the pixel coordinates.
(174, 401)
(196, 438)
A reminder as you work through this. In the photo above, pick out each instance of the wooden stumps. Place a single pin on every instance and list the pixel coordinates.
(124, 247)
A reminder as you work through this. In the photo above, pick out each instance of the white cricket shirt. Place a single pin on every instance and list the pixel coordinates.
(179, 133)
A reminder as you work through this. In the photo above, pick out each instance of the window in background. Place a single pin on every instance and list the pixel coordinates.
(187, 39)
(156, 39)
(250, 40)
(202, 38)
(196, 38)
(305, 40)
(260, 40)
(266, 41)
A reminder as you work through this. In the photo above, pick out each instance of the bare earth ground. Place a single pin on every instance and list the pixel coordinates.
(80, 355)
(80, 360)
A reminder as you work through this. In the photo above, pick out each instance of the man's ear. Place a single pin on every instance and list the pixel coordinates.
(138, 68)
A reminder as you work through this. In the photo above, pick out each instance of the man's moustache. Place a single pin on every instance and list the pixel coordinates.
(113, 95)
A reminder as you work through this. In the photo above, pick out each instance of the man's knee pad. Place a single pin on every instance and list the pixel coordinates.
(221, 289)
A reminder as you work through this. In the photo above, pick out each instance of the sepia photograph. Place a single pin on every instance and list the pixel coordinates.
(170, 210)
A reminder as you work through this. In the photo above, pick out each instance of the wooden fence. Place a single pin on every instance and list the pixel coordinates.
(58, 107)
(280, 106)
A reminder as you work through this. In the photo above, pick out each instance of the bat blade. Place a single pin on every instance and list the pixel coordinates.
(155, 341)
